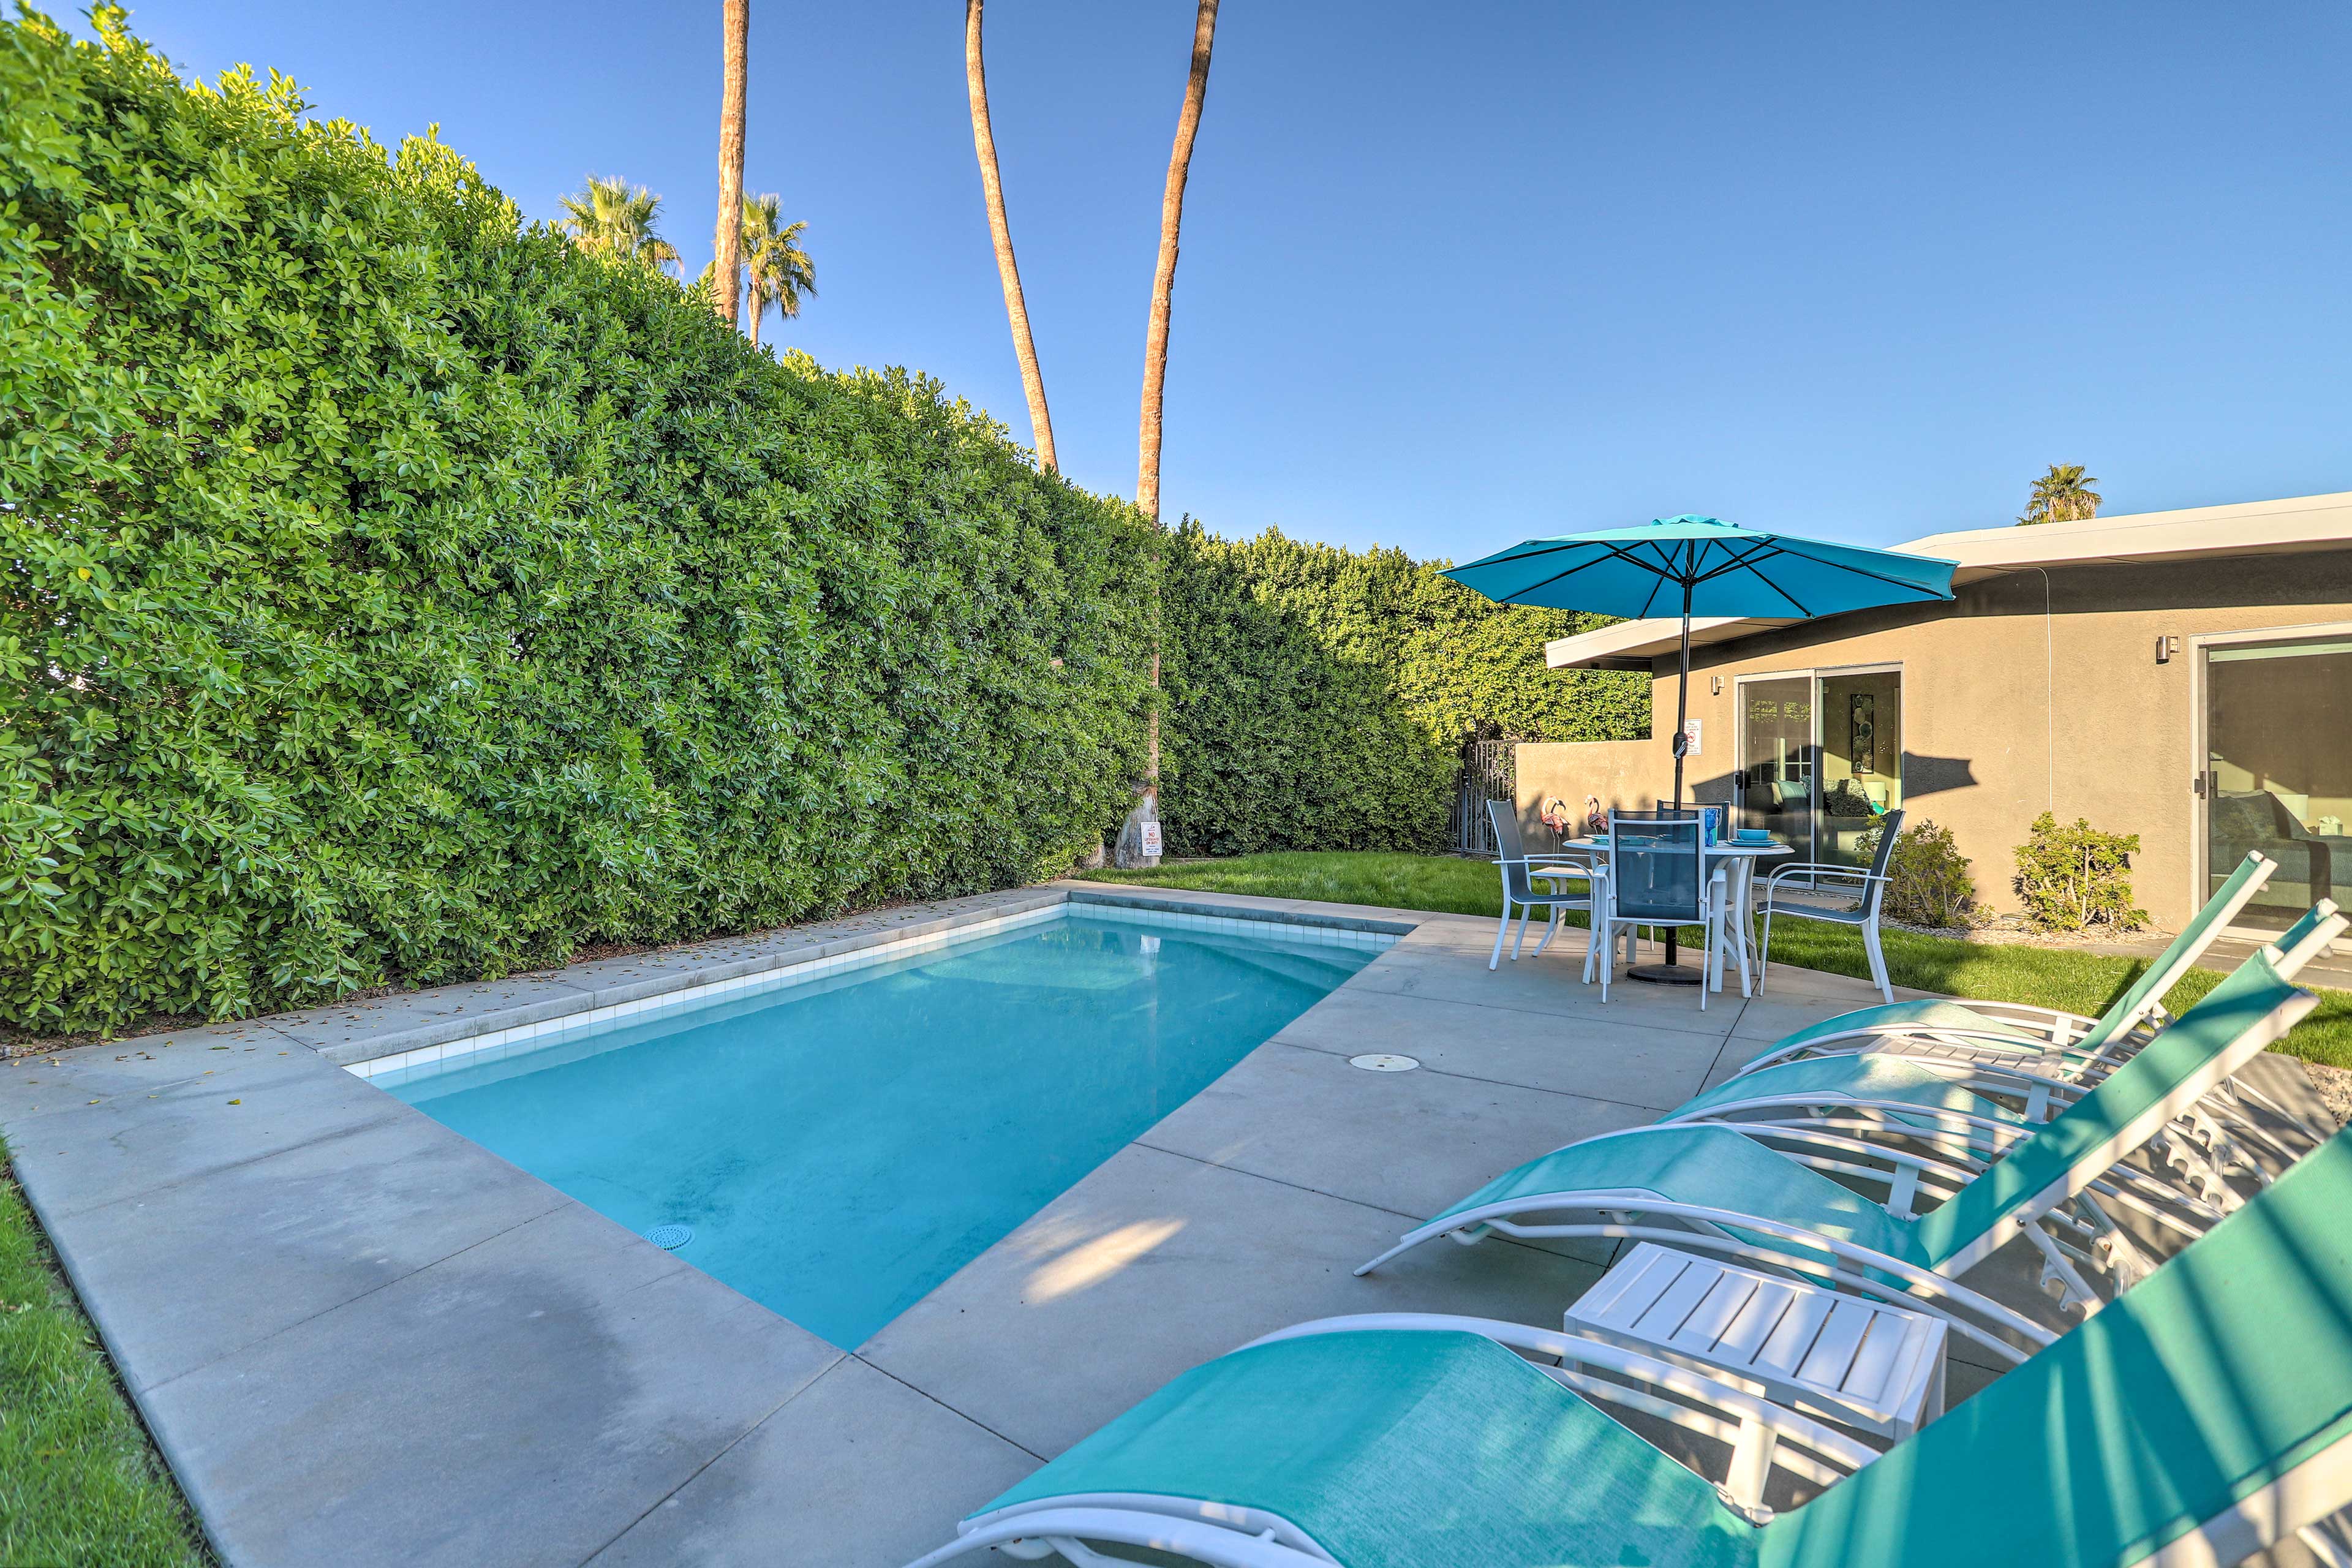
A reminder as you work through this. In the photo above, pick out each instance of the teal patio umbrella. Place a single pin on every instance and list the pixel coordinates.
(1691, 566)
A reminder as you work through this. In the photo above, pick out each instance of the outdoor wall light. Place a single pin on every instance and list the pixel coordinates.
(1715, 686)
(2165, 646)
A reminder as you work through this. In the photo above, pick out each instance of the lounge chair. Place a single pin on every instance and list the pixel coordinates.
(1986, 1101)
(2204, 1417)
(1732, 1193)
(1932, 1025)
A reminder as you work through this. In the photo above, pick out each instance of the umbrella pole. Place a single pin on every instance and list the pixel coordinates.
(1682, 701)
(1671, 972)
(1682, 735)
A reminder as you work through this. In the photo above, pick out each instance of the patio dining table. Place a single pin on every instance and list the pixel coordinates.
(1740, 858)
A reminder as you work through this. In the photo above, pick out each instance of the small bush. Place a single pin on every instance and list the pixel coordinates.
(2072, 879)
(1928, 880)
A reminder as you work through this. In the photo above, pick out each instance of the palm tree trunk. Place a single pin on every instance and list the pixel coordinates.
(1163, 282)
(727, 244)
(1155, 342)
(1016, 309)
(759, 308)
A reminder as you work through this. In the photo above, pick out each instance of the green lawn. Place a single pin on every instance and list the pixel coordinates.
(79, 1481)
(1996, 972)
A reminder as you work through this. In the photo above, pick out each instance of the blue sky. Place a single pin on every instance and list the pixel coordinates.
(1456, 275)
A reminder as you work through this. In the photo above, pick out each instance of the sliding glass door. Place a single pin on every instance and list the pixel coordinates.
(1775, 781)
(1821, 758)
(2278, 770)
(1860, 773)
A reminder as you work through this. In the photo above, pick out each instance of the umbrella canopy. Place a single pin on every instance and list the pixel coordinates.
(1692, 565)
(1725, 570)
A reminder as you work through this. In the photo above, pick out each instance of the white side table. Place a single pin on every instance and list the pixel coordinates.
(1866, 1363)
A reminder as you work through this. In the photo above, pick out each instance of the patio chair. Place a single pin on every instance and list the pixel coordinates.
(2008, 1029)
(1658, 877)
(1767, 1192)
(1519, 885)
(1868, 891)
(2204, 1417)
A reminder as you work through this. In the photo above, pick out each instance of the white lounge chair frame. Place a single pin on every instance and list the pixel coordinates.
(2206, 1147)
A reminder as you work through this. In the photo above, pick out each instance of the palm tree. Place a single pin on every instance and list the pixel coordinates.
(611, 220)
(1163, 281)
(2063, 495)
(1155, 376)
(1008, 271)
(779, 270)
(726, 254)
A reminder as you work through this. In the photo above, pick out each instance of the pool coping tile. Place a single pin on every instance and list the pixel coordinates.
(596, 1007)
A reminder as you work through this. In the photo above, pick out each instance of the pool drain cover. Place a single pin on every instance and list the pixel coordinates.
(1383, 1062)
(670, 1237)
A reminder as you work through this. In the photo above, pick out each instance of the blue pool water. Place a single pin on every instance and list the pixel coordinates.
(842, 1146)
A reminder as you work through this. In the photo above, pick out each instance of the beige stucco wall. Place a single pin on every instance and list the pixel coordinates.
(2030, 692)
(1622, 773)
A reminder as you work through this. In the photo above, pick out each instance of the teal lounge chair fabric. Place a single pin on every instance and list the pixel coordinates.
(1709, 1167)
(1424, 1448)
(2228, 1367)
(1437, 1450)
(1920, 1013)
(1871, 1076)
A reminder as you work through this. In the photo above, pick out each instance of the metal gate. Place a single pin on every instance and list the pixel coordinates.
(1487, 774)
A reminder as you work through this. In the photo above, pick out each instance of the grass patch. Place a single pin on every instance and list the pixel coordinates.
(79, 1481)
(2076, 980)
(1443, 883)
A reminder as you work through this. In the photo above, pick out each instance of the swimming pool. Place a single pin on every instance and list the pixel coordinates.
(839, 1146)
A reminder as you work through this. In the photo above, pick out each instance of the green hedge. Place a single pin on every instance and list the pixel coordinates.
(1318, 697)
(392, 593)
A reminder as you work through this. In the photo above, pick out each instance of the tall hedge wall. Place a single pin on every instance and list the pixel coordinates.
(1318, 697)
(387, 590)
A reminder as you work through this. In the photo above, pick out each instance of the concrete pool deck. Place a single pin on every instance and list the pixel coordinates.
(360, 1338)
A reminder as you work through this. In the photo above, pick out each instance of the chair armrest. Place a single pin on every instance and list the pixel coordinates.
(1824, 868)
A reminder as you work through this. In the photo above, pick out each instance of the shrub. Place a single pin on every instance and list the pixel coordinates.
(390, 592)
(1318, 697)
(2074, 877)
(1928, 880)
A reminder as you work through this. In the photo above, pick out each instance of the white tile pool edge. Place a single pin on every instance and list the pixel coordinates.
(790, 972)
